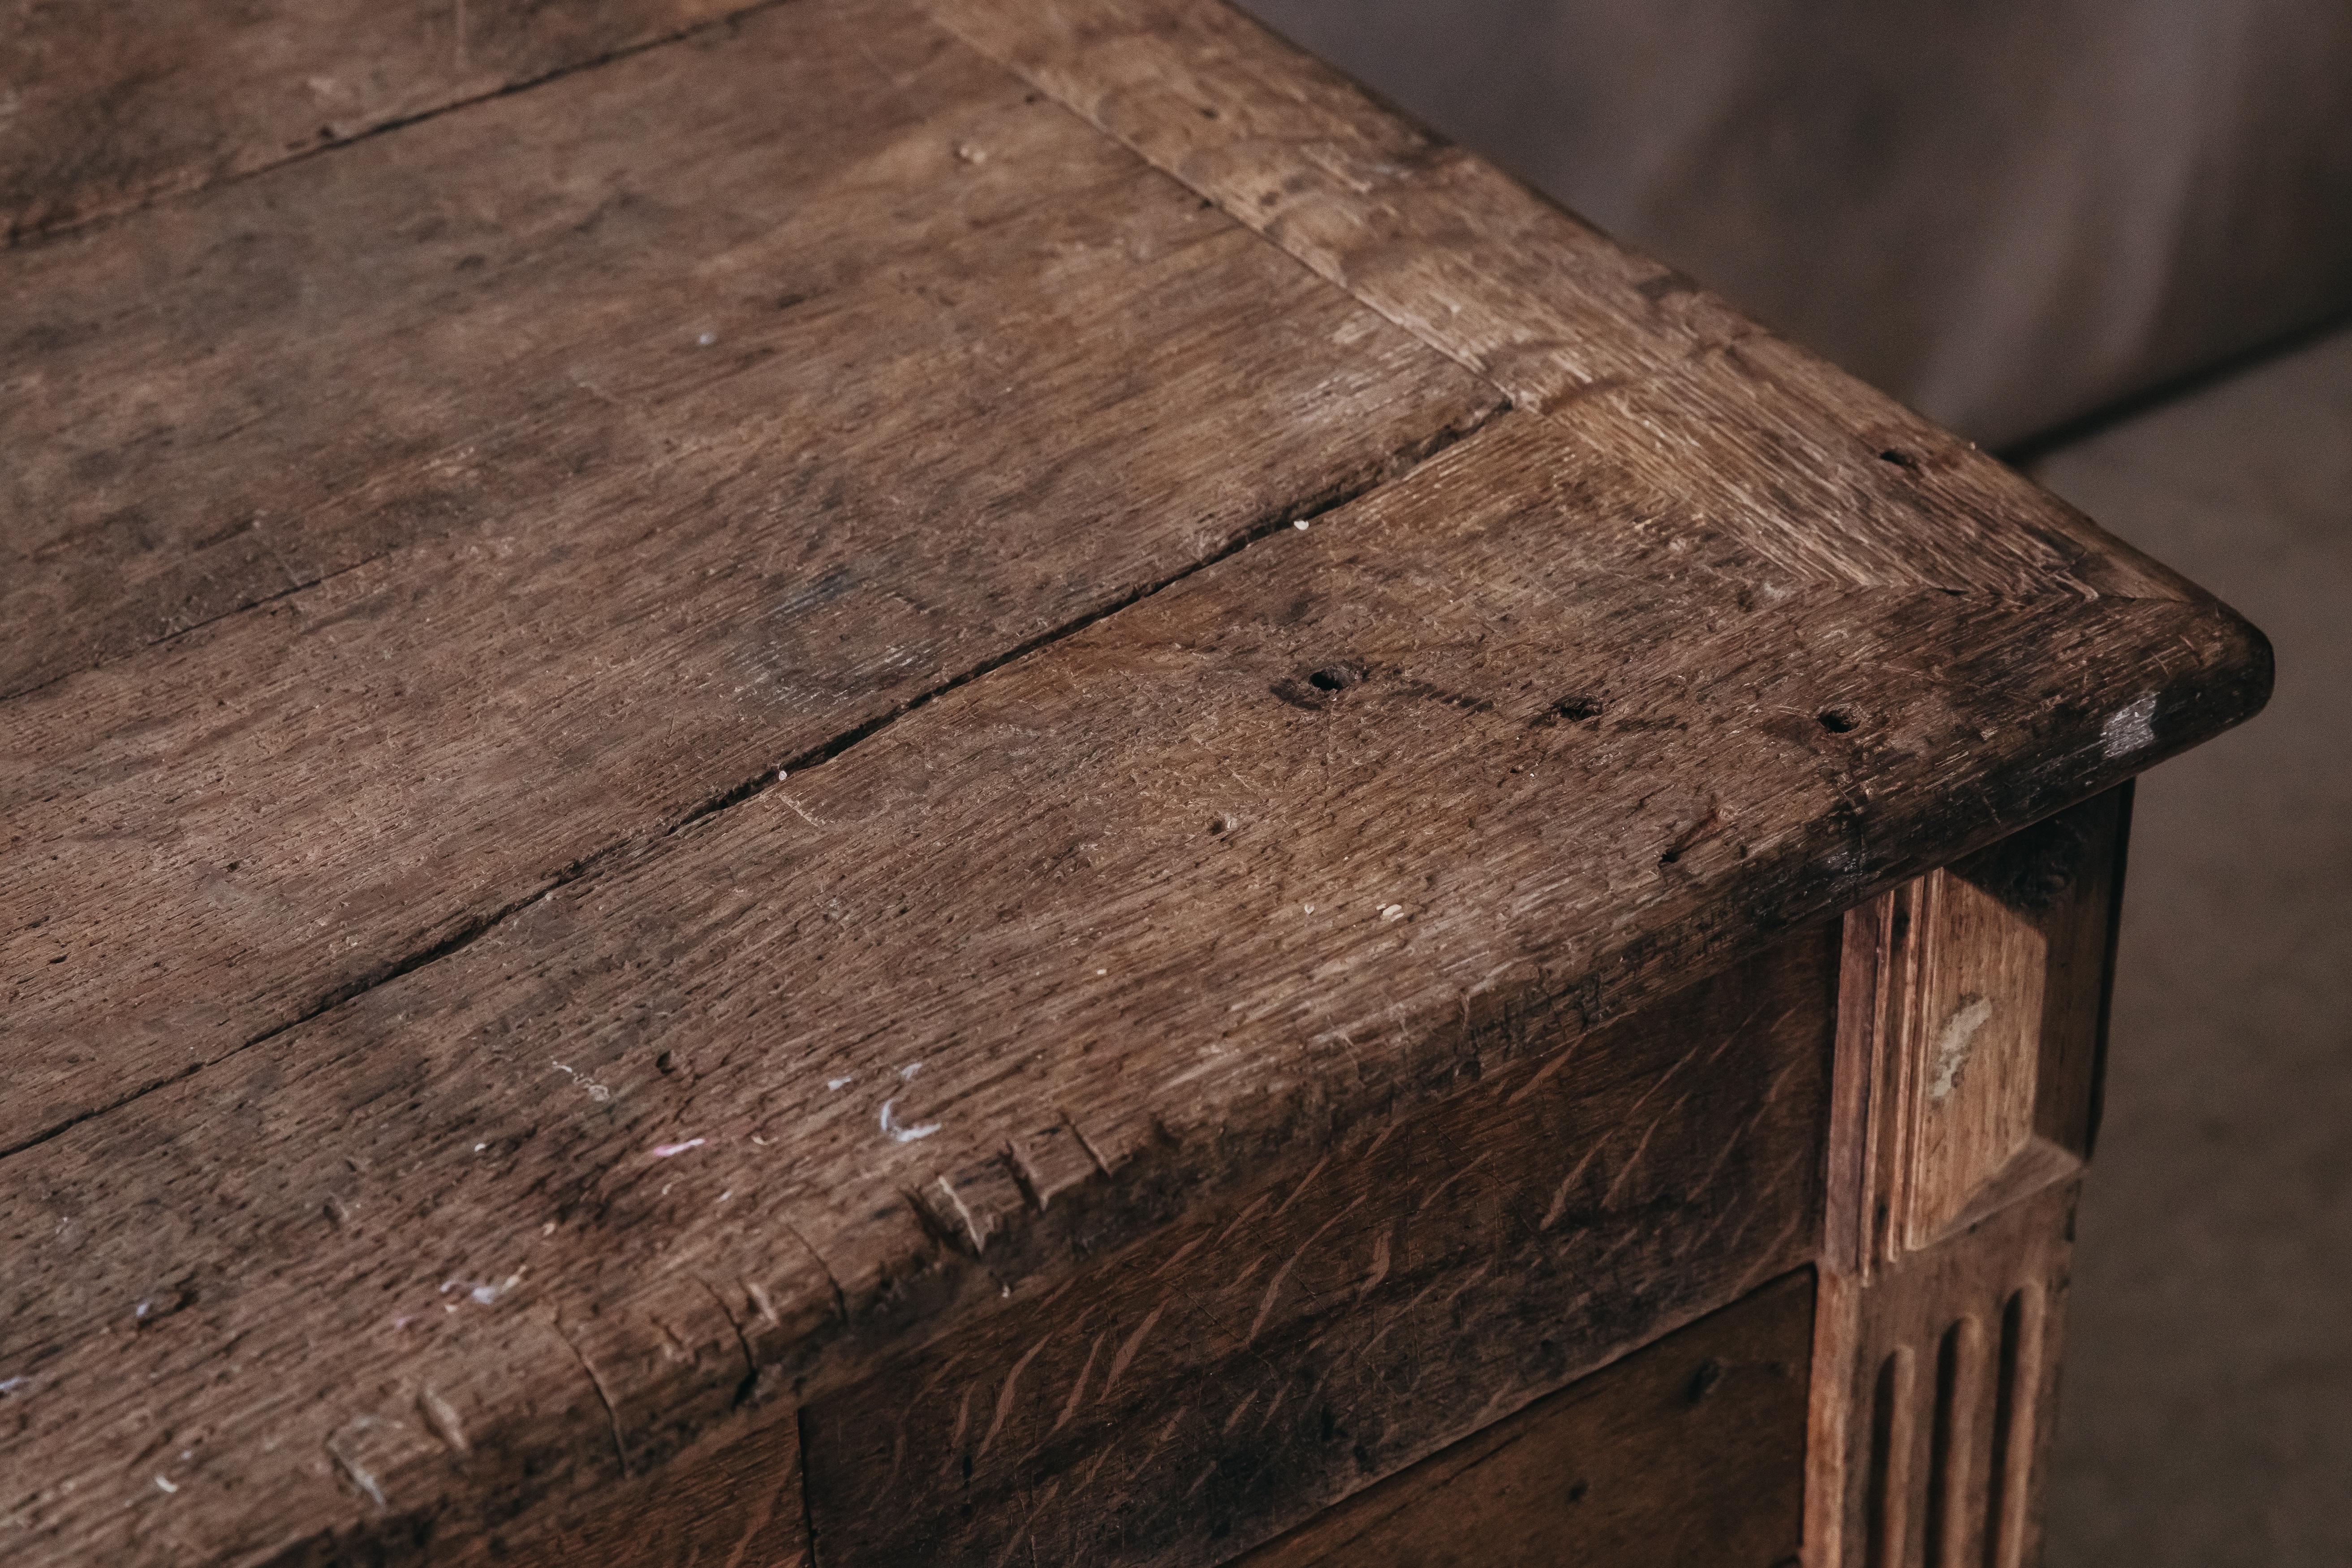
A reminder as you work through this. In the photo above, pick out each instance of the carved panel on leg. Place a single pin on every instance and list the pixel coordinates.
(1970, 1006)
(1934, 1392)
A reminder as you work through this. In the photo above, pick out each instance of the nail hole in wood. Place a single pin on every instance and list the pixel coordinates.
(1838, 720)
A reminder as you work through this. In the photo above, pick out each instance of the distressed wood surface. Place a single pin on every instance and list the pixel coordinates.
(1820, 474)
(1691, 1451)
(1267, 1356)
(731, 1502)
(452, 1075)
(574, 593)
(105, 104)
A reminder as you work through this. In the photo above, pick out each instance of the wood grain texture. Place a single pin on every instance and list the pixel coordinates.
(734, 1503)
(1153, 881)
(1270, 1355)
(1974, 1002)
(104, 105)
(1935, 1393)
(1630, 356)
(452, 1075)
(562, 598)
(1690, 1451)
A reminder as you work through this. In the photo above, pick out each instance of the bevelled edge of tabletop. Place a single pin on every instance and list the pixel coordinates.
(1509, 283)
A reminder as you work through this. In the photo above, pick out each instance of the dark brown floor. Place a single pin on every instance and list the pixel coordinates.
(2206, 1417)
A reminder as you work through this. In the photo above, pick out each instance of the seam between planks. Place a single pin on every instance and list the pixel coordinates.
(1401, 462)
(168, 639)
(18, 238)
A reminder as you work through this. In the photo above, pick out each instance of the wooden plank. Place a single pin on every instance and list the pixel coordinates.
(1492, 752)
(493, 311)
(108, 104)
(574, 573)
(1935, 1396)
(1268, 1355)
(1690, 1451)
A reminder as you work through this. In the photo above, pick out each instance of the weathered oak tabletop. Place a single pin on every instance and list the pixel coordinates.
(984, 779)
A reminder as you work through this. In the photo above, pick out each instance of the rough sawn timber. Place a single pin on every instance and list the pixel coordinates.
(555, 574)
(670, 1087)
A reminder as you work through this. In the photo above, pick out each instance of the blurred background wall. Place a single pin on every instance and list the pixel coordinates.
(2007, 213)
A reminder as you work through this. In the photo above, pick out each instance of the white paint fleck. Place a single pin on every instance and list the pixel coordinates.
(547, 1229)
(763, 1142)
(1393, 912)
(899, 1135)
(664, 1150)
(163, 1485)
(596, 1091)
(835, 1083)
(485, 1294)
(1309, 908)
(11, 1384)
(724, 1196)
(911, 1070)
(705, 340)
(2130, 728)
(480, 1147)
(1300, 525)
(1102, 971)
(1953, 1041)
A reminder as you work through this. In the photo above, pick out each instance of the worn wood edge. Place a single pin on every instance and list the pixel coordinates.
(1377, 168)
(941, 1284)
(1767, 1110)
(946, 1286)
(169, 186)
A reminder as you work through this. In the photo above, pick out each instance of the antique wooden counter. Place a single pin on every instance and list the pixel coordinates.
(983, 783)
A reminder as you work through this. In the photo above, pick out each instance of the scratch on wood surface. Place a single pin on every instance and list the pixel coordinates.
(1439, 1191)
(1560, 1194)
(1053, 1489)
(1134, 1342)
(1004, 1395)
(1380, 1267)
(1273, 1286)
(612, 1417)
(1077, 1387)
